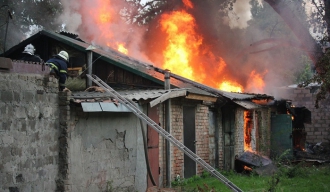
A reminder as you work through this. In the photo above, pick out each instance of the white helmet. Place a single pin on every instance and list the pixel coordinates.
(29, 49)
(64, 55)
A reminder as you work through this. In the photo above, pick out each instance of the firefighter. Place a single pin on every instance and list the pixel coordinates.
(59, 66)
(28, 54)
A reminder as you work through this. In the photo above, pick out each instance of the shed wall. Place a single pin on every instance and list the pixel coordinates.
(105, 151)
(319, 129)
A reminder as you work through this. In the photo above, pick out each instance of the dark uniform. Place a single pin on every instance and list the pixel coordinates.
(28, 54)
(32, 58)
(59, 67)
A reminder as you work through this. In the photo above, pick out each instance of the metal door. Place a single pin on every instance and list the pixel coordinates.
(281, 135)
(153, 149)
(189, 137)
(228, 119)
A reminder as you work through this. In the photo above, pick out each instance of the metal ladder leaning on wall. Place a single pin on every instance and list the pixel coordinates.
(163, 132)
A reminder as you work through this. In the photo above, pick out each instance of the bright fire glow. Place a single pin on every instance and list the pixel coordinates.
(247, 131)
(122, 49)
(247, 168)
(184, 48)
(256, 82)
(230, 87)
(181, 44)
(184, 52)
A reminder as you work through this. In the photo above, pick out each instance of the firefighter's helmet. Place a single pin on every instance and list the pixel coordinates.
(29, 49)
(64, 55)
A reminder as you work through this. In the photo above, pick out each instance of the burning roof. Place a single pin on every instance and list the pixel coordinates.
(147, 70)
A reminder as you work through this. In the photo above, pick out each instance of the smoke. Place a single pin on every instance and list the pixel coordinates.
(238, 17)
(101, 23)
(228, 38)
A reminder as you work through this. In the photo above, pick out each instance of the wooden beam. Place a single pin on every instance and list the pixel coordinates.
(169, 95)
(201, 97)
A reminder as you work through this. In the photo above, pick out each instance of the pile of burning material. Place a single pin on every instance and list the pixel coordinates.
(249, 161)
(318, 152)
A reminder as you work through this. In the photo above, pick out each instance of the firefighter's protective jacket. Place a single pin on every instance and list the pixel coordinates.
(60, 67)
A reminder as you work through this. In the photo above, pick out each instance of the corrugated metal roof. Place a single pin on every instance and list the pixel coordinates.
(134, 95)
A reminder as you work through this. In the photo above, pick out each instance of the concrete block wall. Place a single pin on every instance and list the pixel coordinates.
(28, 132)
(104, 151)
(319, 129)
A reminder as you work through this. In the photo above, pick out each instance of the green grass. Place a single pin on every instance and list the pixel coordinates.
(300, 178)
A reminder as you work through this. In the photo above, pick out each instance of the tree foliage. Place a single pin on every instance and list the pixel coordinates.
(24, 17)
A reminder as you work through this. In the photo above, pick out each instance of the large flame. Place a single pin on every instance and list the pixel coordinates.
(183, 43)
(105, 18)
(184, 53)
(184, 49)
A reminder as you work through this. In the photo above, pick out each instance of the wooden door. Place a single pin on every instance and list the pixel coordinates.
(153, 146)
(189, 139)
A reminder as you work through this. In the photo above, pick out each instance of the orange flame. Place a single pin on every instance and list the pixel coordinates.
(122, 49)
(105, 17)
(188, 3)
(247, 131)
(184, 48)
(256, 82)
(183, 43)
(184, 53)
(231, 87)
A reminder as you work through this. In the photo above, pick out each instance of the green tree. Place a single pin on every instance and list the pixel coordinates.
(24, 16)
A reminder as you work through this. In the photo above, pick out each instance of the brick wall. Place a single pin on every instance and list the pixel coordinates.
(28, 132)
(239, 131)
(177, 156)
(220, 141)
(202, 134)
(319, 129)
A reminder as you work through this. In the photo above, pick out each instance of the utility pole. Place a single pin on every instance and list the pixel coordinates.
(7, 23)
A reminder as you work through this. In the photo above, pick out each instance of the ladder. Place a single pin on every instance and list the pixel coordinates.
(163, 132)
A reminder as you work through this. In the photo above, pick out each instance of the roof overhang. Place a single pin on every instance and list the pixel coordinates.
(201, 97)
(104, 107)
(168, 95)
(247, 104)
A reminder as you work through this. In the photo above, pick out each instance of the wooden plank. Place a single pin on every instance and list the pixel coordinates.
(201, 97)
(169, 95)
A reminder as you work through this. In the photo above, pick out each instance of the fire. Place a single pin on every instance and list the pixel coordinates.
(183, 43)
(100, 13)
(247, 131)
(246, 168)
(188, 4)
(184, 52)
(122, 49)
(256, 82)
(230, 86)
(184, 49)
